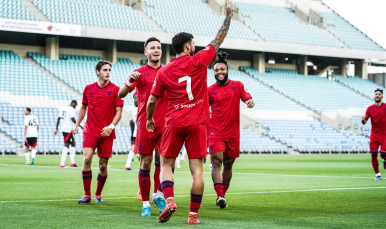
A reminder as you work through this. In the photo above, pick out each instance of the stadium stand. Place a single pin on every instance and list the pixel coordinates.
(363, 87)
(323, 94)
(14, 9)
(25, 84)
(348, 34)
(92, 13)
(278, 24)
(190, 16)
(251, 142)
(85, 68)
(6, 147)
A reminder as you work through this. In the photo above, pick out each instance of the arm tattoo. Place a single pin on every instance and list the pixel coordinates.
(221, 33)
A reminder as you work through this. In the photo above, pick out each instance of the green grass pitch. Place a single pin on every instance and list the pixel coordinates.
(269, 191)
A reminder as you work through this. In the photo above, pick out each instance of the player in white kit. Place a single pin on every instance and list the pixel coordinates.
(133, 126)
(31, 127)
(67, 114)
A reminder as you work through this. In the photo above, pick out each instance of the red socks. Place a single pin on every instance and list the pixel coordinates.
(167, 189)
(225, 188)
(195, 202)
(156, 177)
(218, 187)
(144, 183)
(87, 177)
(374, 162)
(101, 183)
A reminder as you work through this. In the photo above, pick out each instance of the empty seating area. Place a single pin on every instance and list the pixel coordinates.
(92, 13)
(251, 142)
(278, 24)
(26, 80)
(84, 66)
(7, 148)
(314, 137)
(366, 129)
(191, 16)
(318, 93)
(347, 33)
(14, 9)
(364, 87)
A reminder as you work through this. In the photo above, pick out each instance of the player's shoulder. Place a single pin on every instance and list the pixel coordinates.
(212, 87)
(371, 106)
(113, 86)
(90, 85)
(141, 69)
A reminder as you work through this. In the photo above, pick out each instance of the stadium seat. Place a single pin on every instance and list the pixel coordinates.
(15, 9)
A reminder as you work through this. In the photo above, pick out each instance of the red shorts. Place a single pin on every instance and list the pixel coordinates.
(374, 146)
(104, 146)
(230, 147)
(195, 138)
(146, 141)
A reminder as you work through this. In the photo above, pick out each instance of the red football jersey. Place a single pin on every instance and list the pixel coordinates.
(184, 82)
(101, 103)
(143, 87)
(378, 122)
(225, 104)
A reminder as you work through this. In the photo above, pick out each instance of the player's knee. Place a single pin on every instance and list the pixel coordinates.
(87, 160)
(228, 165)
(102, 167)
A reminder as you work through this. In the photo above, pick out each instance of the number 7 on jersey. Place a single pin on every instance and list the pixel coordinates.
(188, 80)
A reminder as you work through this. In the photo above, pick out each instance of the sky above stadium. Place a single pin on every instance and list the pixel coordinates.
(367, 15)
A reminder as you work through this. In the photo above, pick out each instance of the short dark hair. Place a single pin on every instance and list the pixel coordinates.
(28, 109)
(74, 101)
(222, 58)
(150, 40)
(380, 90)
(179, 40)
(100, 63)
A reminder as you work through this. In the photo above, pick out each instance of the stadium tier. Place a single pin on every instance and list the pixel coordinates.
(84, 66)
(26, 83)
(278, 24)
(316, 93)
(93, 13)
(191, 16)
(252, 142)
(364, 87)
(14, 9)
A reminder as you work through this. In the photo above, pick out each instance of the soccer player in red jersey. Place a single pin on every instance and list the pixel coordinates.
(104, 110)
(377, 113)
(224, 127)
(184, 82)
(143, 79)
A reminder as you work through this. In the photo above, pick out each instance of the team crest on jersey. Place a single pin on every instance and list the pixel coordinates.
(384, 109)
(109, 92)
(215, 93)
(211, 147)
(140, 147)
(146, 74)
(111, 153)
(91, 92)
(233, 88)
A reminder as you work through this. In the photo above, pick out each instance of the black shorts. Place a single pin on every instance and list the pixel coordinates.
(31, 142)
(68, 137)
(132, 140)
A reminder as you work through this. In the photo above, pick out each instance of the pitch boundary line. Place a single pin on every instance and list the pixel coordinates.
(237, 193)
(257, 174)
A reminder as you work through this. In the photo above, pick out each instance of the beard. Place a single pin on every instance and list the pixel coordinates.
(378, 100)
(223, 81)
(154, 60)
(191, 53)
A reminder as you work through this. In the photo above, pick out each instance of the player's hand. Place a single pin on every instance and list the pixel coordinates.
(134, 76)
(229, 9)
(25, 139)
(56, 132)
(250, 103)
(150, 125)
(364, 121)
(75, 130)
(106, 131)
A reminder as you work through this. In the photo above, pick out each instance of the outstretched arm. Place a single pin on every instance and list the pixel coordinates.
(221, 34)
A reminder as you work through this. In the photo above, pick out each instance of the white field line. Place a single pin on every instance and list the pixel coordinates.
(239, 193)
(257, 174)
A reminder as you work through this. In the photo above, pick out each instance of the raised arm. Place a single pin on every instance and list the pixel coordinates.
(221, 34)
(126, 89)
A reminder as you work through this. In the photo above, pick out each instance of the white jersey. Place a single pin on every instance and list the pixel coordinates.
(66, 114)
(31, 122)
(135, 125)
